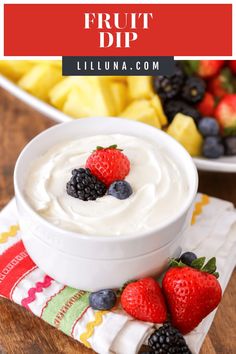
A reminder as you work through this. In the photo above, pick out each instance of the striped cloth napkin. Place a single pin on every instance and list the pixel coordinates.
(212, 233)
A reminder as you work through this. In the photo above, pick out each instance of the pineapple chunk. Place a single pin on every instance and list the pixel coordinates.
(119, 91)
(78, 104)
(93, 98)
(15, 69)
(58, 94)
(115, 78)
(57, 63)
(140, 87)
(40, 79)
(157, 105)
(142, 111)
(184, 130)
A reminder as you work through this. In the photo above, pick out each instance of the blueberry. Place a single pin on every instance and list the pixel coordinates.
(230, 145)
(103, 299)
(209, 127)
(120, 189)
(188, 257)
(212, 147)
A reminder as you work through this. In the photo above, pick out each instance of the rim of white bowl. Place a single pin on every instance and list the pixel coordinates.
(111, 238)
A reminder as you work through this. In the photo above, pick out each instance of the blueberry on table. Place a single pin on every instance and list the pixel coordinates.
(230, 145)
(187, 258)
(103, 299)
(209, 126)
(213, 147)
(120, 189)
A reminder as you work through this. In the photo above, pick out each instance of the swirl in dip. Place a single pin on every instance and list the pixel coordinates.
(159, 188)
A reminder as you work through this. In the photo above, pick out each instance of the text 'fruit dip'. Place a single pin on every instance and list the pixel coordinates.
(159, 188)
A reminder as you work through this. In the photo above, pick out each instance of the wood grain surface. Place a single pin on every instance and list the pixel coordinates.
(23, 333)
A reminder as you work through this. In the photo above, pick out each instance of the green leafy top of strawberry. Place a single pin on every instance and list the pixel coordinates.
(111, 147)
(198, 264)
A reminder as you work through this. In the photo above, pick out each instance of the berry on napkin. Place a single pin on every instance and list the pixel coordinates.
(144, 301)
(191, 292)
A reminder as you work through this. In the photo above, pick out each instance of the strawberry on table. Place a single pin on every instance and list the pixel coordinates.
(225, 113)
(144, 301)
(203, 68)
(232, 65)
(207, 105)
(108, 164)
(191, 292)
(224, 83)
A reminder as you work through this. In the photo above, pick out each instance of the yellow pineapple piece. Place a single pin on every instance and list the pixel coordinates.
(119, 91)
(140, 87)
(58, 94)
(40, 79)
(142, 111)
(115, 78)
(15, 69)
(93, 98)
(57, 63)
(157, 105)
(184, 130)
(78, 104)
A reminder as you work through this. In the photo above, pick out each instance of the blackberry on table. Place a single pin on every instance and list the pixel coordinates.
(168, 340)
(169, 86)
(173, 107)
(84, 185)
(193, 89)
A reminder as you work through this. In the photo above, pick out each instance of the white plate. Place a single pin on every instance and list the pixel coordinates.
(224, 164)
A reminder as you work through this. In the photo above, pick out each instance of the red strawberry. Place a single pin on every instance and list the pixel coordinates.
(207, 105)
(191, 293)
(203, 68)
(232, 65)
(143, 300)
(225, 113)
(223, 84)
(108, 164)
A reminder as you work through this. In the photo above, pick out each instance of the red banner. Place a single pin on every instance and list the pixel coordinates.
(117, 30)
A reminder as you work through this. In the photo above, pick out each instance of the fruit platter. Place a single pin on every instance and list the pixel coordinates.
(196, 105)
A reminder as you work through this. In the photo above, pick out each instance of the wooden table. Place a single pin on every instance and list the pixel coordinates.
(23, 333)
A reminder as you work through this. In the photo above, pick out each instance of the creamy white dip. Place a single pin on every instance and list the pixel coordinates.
(159, 188)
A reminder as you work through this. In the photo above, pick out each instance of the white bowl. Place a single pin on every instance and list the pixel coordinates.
(95, 262)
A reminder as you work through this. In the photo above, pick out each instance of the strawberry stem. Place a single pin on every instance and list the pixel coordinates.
(198, 264)
(111, 147)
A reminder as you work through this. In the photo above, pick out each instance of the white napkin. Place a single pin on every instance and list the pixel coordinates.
(212, 234)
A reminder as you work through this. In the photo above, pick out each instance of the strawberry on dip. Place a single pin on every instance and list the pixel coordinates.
(108, 164)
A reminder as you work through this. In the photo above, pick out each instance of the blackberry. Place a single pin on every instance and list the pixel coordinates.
(169, 86)
(168, 340)
(193, 90)
(84, 185)
(173, 107)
